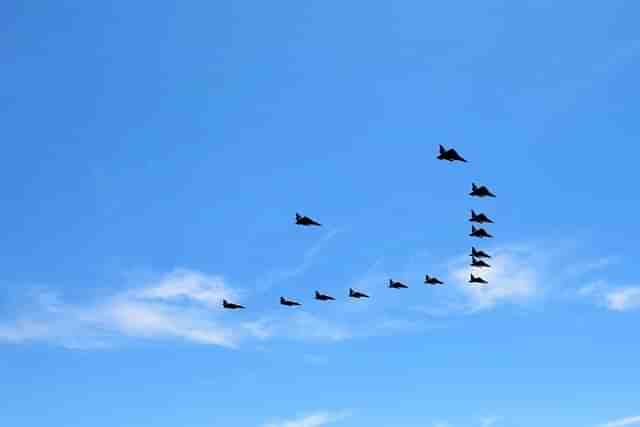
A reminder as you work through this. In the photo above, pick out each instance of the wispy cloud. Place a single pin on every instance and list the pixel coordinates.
(623, 299)
(582, 268)
(514, 277)
(614, 298)
(177, 305)
(308, 258)
(488, 421)
(317, 419)
(622, 422)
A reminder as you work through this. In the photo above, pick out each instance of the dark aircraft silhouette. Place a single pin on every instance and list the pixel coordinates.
(305, 220)
(323, 297)
(479, 254)
(397, 285)
(474, 279)
(479, 232)
(480, 191)
(432, 280)
(450, 155)
(356, 294)
(287, 302)
(479, 263)
(480, 218)
(231, 305)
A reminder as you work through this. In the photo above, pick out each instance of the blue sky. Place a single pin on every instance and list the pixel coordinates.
(154, 157)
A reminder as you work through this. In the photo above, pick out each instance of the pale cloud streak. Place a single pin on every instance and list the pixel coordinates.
(317, 419)
(513, 278)
(622, 422)
(176, 305)
(308, 259)
(620, 299)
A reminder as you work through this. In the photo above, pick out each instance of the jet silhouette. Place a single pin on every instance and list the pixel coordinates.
(474, 279)
(432, 280)
(230, 305)
(479, 263)
(450, 155)
(479, 254)
(305, 220)
(323, 297)
(480, 191)
(287, 302)
(397, 285)
(480, 218)
(356, 294)
(479, 232)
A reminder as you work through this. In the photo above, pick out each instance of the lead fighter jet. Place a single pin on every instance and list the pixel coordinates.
(305, 220)
(479, 232)
(479, 263)
(287, 302)
(480, 191)
(450, 155)
(480, 218)
(230, 305)
(397, 285)
(478, 253)
(429, 280)
(474, 279)
(356, 294)
(323, 297)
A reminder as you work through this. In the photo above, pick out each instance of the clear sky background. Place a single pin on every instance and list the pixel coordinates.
(154, 155)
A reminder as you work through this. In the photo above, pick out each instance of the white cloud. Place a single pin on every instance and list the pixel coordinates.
(613, 298)
(313, 420)
(623, 299)
(188, 285)
(622, 422)
(177, 305)
(488, 421)
(513, 278)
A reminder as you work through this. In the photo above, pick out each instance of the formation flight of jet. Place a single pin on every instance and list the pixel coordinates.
(305, 220)
(323, 297)
(356, 294)
(475, 279)
(287, 302)
(480, 218)
(450, 155)
(429, 280)
(480, 191)
(397, 285)
(478, 253)
(230, 305)
(479, 232)
(479, 263)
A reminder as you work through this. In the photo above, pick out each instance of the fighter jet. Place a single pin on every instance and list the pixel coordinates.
(479, 232)
(287, 302)
(429, 280)
(480, 191)
(450, 155)
(474, 279)
(480, 218)
(397, 285)
(479, 254)
(323, 297)
(479, 263)
(356, 294)
(230, 305)
(305, 220)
